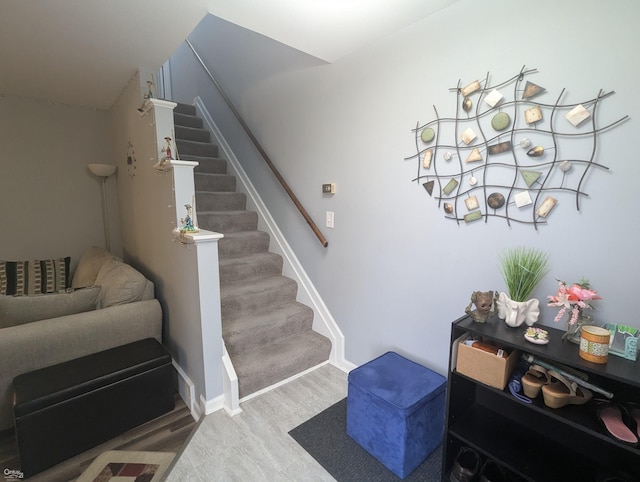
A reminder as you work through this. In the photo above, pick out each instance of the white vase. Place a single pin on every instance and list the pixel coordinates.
(515, 313)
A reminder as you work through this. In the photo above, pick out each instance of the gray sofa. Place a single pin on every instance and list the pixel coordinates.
(109, 304)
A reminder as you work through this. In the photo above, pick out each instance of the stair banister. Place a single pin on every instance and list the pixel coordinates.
(262, 152)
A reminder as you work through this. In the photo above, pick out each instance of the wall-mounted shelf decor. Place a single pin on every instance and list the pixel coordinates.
(506, 154)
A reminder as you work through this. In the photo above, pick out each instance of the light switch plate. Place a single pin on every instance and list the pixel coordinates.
(329, 219)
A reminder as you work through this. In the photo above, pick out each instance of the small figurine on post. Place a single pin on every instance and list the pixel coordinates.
(163, 165)
(187, 223)
(149, 94)
(145, 106)
(485, 302)
(167, 150)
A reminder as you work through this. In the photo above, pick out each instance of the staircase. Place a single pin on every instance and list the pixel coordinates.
(267, 333)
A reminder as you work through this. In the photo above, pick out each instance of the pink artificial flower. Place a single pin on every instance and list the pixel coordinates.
(573, 298)
(578, 293)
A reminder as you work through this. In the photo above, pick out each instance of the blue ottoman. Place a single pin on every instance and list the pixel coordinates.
(395, 411)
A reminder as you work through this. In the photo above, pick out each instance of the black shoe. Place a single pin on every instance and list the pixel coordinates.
(465, 466)
(492, 472)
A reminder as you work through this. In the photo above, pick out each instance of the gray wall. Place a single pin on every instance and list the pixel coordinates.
(396, 273)
(51, 203)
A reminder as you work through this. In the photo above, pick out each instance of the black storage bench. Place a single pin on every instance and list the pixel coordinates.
(65, 409)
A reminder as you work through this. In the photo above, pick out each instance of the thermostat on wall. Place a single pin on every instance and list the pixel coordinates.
(329, 188)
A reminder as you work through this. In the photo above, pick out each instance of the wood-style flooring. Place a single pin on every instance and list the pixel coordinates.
(255, 445)
(251, 446)
(164, 434)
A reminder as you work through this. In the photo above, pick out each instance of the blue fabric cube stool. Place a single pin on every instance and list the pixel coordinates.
(395, 411)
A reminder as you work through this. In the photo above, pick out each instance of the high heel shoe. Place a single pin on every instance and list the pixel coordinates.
(533, 381)
(560, 392)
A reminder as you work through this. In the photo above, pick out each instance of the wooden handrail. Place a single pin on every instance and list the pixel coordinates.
(262, 152)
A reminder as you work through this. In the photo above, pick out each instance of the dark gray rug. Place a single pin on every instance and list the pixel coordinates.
(325, 438)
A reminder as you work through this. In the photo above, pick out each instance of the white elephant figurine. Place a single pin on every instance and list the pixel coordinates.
(514, 313)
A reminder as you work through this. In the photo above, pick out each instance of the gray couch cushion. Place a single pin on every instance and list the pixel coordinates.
(89, 266)
(119, 284)
(16, 310)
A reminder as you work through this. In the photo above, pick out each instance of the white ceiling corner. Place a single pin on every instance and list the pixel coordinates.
(83, 52)
(326, 29)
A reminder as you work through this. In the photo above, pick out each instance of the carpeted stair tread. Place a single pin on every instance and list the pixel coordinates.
(246, 268)
(220, 201)
(258, 369)
(185, 133)
(208, 165)
(228, 221)
(241, 298)
(214, 182)
(249, 333)
(243, 243)
(187, 120)
(195, 148)
(187, 109)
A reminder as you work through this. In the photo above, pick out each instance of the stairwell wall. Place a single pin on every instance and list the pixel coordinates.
(396, 272)
(191, 316)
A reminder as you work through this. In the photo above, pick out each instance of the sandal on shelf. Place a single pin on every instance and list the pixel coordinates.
(533, 381)
(616, 420)
(560, 392)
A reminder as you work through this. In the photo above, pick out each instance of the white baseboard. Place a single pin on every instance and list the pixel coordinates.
(230, 382)
(213, 405)
(187, 391)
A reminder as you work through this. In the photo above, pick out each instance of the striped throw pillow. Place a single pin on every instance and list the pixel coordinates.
(34, 277)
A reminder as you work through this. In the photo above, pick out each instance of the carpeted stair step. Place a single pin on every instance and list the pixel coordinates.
(250, 333)
(192, 134)
(187, 120)
(228, 221)
(214, 182)
(275, 362)
(242, 299)
(195, 148)
(246, 268)
(187, 109)
(208, 165)
(221, 201)
(235, 245)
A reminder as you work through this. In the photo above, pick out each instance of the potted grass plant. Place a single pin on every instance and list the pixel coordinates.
(522, 269)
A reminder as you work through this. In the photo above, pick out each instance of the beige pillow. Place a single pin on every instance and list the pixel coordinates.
(16, 310)
(119, 284)
(89, 265)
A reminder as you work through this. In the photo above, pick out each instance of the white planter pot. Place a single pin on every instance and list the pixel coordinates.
(515, 313)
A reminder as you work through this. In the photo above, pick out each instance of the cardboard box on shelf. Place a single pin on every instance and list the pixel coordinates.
(489, 368)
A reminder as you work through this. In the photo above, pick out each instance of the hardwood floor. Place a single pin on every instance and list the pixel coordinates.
(168, 433)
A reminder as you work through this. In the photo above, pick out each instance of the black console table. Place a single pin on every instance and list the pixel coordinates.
(531, 441)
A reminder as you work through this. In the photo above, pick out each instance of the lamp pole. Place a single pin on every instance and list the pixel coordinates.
(105, 215)
(104, 171)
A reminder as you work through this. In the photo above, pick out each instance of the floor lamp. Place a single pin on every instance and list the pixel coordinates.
(104, 171)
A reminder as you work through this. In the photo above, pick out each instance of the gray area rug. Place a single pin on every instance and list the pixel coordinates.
(325, 438)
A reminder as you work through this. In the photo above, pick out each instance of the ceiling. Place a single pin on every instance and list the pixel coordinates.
(83, 52)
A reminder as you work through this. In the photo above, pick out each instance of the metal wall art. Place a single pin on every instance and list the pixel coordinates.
(507, 155)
